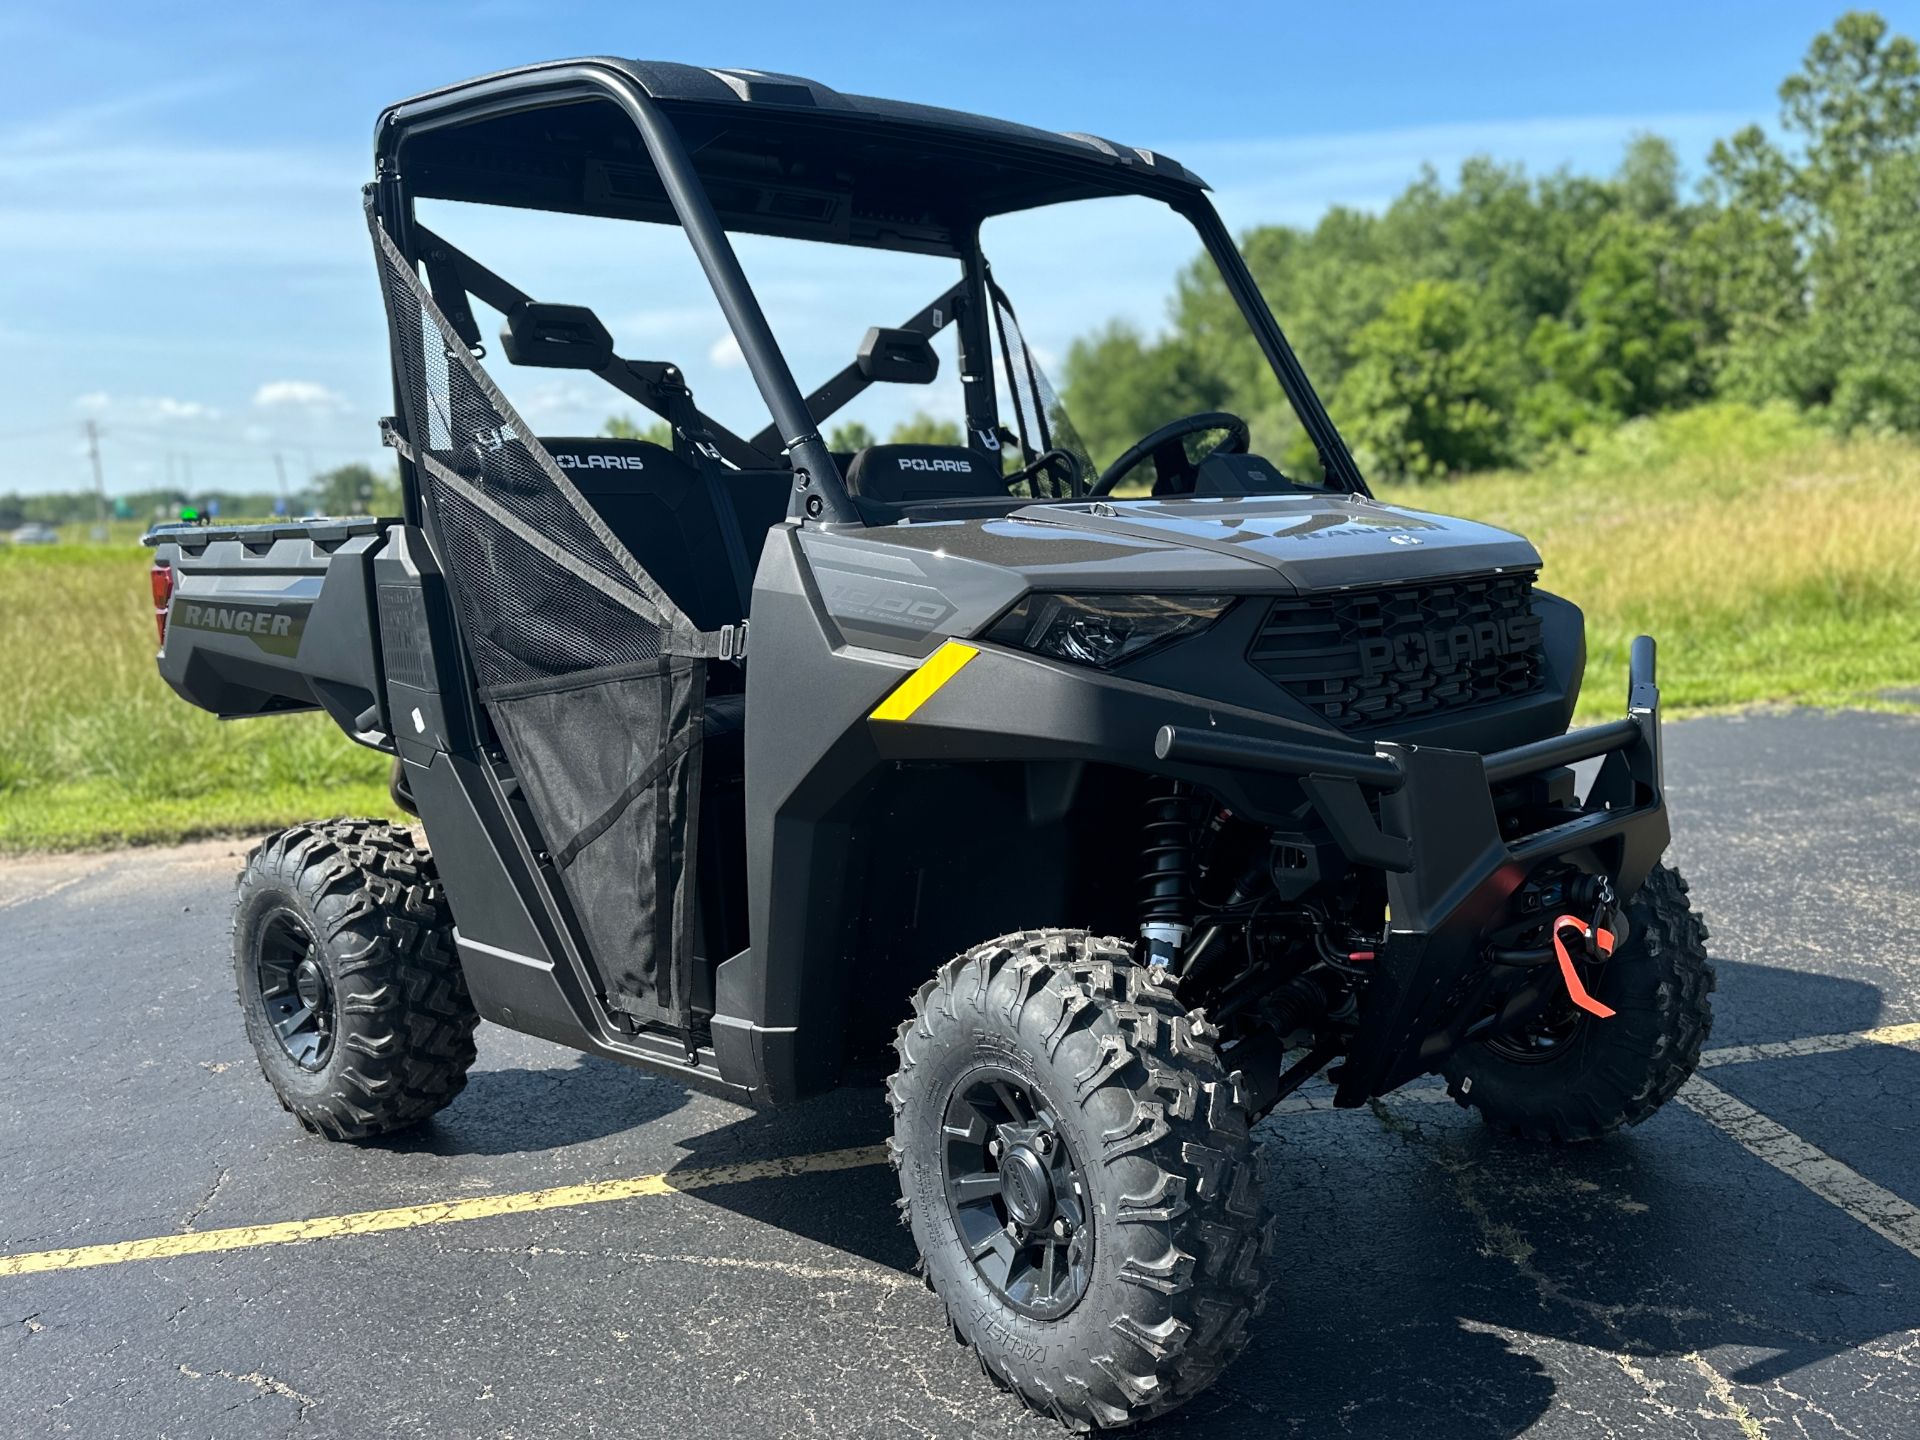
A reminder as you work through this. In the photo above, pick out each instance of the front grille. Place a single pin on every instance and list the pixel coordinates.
(1365, 658)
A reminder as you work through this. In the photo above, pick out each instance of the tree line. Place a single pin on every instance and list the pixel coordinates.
(355, 489)
(1500, 319)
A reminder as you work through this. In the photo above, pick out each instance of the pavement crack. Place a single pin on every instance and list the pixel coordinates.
(205, 1200)
(32, 1323)
(1721, 1389)
(261, 1383)
(885, 1279)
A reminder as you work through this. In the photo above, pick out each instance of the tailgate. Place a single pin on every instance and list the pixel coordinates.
(265, 619)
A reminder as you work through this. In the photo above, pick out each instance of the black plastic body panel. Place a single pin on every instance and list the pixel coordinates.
(271, 618)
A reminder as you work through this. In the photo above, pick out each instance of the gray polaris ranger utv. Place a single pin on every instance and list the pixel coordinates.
(1105, 800)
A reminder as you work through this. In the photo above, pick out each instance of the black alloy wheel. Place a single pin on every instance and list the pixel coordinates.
(1541, 1039)
(1016, 1193)
(295, 991)
(353, 998)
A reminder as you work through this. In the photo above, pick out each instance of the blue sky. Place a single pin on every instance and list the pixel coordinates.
(185, 264)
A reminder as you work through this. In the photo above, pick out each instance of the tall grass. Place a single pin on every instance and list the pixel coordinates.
(1774, 563)
(95, 749)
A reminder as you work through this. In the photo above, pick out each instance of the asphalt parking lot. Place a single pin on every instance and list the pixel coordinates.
(577, 1249)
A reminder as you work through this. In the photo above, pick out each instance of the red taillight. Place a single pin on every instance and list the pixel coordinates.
(162, 597)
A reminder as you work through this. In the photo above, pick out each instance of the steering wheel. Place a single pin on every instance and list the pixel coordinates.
(1063, 463)
(1170, 456)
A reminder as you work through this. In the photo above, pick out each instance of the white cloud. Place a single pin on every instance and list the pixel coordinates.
(553, 401)
(307, 395)
(166, 408)
(725, 354)
(144, 409)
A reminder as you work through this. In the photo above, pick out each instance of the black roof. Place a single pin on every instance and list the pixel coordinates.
(779, 154)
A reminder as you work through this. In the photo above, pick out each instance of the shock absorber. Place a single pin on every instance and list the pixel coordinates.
(1165, 860)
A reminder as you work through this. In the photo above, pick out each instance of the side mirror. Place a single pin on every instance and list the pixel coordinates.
(900, 357)
(556, 337)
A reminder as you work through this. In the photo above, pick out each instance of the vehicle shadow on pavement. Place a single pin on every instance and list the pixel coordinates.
(508, 1112)
(1436, 1279)
(852, 1210)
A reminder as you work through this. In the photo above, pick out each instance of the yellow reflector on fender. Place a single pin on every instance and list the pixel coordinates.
(919, 687)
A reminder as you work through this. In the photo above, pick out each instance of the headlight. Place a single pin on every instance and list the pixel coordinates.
(1103, 630)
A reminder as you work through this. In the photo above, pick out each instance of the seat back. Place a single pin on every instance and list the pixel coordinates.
(699, 546)
(902, 474)
(1233, 476)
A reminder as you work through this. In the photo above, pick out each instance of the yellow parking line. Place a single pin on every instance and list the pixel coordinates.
(449, 1212)
(1817, 1171)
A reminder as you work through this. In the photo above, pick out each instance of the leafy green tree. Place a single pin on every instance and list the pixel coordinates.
(1494, 317)
(1425, 395)
(1627, 346)
(1649, 177)
(1830, 328)
(925, 429)
(625, 427)
(1856, 101)
(356, 489)
(850, 438)
(1119, 385)
(1866, 328)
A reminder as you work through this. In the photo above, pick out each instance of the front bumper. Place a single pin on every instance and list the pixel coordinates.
(1427, 818)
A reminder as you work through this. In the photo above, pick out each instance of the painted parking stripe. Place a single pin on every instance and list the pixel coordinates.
(1874, 1206)
(46, 892)
(1320, 1097)
(410, 1217)
(1811, 1045)
(1810, 1162)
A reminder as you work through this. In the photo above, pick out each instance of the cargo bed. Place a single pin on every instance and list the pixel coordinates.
(271, 618)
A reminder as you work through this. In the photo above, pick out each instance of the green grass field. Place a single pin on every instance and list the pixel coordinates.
(1773, 562)
(98, 751)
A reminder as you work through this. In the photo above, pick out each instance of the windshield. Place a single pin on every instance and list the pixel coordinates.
(1105, 320)
(1108, 320)
(1099, 286)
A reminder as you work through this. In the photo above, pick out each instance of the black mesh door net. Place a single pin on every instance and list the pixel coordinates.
(594, 679)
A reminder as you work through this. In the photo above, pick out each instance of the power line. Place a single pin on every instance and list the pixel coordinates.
(262, 447)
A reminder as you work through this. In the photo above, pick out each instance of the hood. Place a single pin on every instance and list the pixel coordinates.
(1316, 542)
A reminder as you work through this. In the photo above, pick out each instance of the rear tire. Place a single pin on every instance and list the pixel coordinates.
(1614, 1072)
(1146, 1137)
(354, 1002)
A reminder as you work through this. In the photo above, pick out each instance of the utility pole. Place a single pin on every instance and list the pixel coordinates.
(280, 469)
(99, 483)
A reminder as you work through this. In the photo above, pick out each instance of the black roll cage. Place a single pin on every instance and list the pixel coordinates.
(820, 492)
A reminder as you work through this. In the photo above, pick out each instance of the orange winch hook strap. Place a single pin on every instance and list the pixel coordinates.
(1603, 940)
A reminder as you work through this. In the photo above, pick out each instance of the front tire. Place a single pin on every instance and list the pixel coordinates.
(354, 1002)
(1600, 1075)
(1054, 1098)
